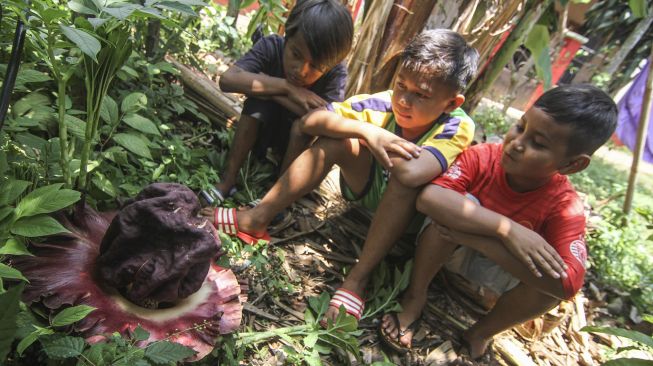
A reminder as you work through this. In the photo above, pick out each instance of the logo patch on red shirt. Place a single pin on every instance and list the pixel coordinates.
(577, 248)
(454, 171)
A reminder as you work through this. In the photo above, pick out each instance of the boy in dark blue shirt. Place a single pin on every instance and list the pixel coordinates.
(284, 78)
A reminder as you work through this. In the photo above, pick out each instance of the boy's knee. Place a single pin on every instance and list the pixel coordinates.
(424, 198)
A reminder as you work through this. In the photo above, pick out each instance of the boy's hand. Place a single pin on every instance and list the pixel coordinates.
(305, 98)
(534, 251)
(381, 142)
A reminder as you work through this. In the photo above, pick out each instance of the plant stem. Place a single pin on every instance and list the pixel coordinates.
(63, 133)
(256, 337)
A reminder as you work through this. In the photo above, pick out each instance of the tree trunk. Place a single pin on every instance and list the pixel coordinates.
(152, 38)
(534, 9)
(630, 42)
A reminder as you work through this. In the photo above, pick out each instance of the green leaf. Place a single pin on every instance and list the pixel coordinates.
(122, 12)
(76, 126)
(142, 124)
(14, 246)
(31, 76)
(78, 7)
(109, 111)
(175, 6)
(34, 226)
(190, 2)
(309, 318)
(45, 200)
(638, 7)
(630, 334)
(141, 334)
(10, 272)
(97, 22)
(86, 42)
(163, 352)
(133, 102)
(64, 347)
(71, 315)
(9, 303)
(628, 362)
(11, 189)
(538, 43)
(133, 143)
(5, 211)
(104, 184)
(30, 338)
(51, 14)
(310, 340)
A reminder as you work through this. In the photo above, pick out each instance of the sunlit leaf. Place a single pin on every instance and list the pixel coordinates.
(71, 315)
(133, 143)
(35, 226)
(86, 42)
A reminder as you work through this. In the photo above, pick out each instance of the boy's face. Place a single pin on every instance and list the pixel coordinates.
(535, 147)
(418, 100)
(298, 64)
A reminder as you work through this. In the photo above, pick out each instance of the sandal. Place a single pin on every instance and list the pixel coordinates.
(225, 221)
(395, 343)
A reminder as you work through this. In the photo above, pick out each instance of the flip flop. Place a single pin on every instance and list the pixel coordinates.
(352, 303)
(395, 343)
(214, 196)
(224, 220)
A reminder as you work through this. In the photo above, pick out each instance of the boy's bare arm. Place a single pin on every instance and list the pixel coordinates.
(296, 99)
(457, 212)
(417, 171)
(380, 142)
(498, 253)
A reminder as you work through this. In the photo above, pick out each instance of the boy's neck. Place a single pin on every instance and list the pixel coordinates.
(522, 185)
(411, 134)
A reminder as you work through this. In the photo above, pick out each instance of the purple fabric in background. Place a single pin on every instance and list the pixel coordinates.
(630, 109)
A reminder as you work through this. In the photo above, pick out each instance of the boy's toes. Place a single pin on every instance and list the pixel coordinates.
(331, 313)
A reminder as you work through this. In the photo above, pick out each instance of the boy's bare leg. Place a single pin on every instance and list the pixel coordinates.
(432, 252)
(297, 142)
(244, 140)
(392, 217)
(514, 307)
(304, 174)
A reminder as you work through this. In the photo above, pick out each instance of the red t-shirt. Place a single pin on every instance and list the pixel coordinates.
(554, 210)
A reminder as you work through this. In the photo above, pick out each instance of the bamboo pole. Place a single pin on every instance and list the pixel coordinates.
(641, 137)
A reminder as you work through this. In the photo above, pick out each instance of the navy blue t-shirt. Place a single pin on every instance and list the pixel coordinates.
(266, 56)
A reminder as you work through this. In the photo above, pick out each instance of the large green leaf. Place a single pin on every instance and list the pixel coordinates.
(638, 7)
(122, 12)
(82, 7)
(176, 6)
(133, 143)
(45, 200)
(538, 43)
(9, 303)
(109, 111)
(14, 246)
(71, 315)
(142, 124)
(86, 42)
(11, 189)
(76, 126)
(31, 338)
(34, 226)
(165, 352)
(10, 272)
(628, 362)
(630, 334)
(64, 347)
(134, 102)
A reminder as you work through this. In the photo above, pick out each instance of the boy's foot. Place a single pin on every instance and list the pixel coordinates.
(354, 305)
(228, 221)
(355, 289)
(398, 328)
(396, 334)
(476, 346)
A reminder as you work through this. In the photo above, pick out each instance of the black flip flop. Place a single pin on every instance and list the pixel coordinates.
(395, 343)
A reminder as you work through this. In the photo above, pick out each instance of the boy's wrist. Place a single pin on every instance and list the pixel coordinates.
(504, 232)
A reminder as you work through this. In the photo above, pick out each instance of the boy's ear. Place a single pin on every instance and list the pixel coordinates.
(454, 103)
(576, 164)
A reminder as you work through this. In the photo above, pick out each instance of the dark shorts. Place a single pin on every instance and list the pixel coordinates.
(274, 130)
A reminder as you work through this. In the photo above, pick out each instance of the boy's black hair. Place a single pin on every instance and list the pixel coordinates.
(443, 54)
(590, 112)
(327, 28)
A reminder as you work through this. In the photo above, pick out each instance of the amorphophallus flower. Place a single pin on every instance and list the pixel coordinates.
(152, 264)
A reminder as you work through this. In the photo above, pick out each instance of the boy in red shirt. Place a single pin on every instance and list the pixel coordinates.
(512, 203)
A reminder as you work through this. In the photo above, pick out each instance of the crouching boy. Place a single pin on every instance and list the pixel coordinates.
(512, 203)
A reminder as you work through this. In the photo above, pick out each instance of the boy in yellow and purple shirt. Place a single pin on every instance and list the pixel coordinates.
(387, 146)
